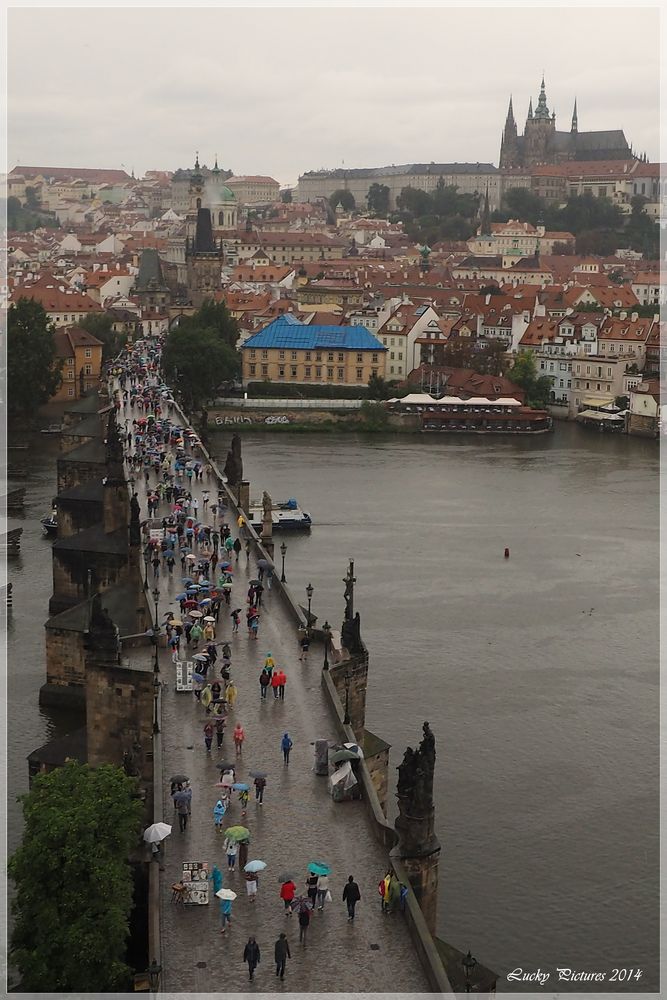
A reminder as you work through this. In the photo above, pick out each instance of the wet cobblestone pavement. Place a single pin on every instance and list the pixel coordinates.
(297, 823)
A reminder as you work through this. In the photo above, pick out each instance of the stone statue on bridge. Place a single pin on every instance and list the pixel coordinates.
(415, 777)
(234, 464)
(102, 632)
(350, 635)
(135, 525)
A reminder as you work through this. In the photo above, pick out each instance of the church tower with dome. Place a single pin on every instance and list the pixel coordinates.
(221, 200)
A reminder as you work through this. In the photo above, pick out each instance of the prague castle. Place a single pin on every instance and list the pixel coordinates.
(541, 143)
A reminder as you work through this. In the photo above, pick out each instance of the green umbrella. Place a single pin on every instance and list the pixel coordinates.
(238, 833)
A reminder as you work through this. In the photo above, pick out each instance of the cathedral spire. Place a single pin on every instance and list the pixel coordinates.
(575, 123)
(509, 121)
(530, 109)
(542, 111)
(485, 222)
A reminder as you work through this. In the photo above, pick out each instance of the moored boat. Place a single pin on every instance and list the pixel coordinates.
(50, 523)
(285, 515)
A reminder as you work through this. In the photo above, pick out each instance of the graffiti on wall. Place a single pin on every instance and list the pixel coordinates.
(239, 419)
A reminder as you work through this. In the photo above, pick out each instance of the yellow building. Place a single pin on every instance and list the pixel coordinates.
(289, 351)
(81, 354)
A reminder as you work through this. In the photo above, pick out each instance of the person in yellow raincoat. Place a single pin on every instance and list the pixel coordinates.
(230, 694)
(209, 632)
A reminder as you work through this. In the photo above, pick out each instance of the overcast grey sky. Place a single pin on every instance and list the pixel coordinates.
(279, 92)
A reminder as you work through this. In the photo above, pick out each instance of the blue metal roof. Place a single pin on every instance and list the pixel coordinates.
(286, 332)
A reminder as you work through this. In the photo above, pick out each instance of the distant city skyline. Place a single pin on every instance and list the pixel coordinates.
(283, 91)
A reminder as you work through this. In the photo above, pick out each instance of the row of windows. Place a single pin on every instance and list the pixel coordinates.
(308, 372)
(308, 356)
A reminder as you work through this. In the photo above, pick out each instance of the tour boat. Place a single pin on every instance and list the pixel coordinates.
(52, 429)
(285, 515)
(50, 523)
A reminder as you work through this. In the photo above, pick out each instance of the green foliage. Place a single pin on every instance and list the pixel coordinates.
(343, 198)
(524, 374)
(31, 199)
(200, 353)
(101, 326)
(304, 390)
(21, 219)
(374, 416)
(33, 372)
(286, 197)
(74, 881)
(428, 217)
(488, 359)
(522, 204)
(377, 200)
(600, 242)
(378, 388)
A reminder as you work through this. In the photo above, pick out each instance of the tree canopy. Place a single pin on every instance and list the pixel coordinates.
(24, 219)
(73, 880)
(377, 199)
(101, 326)
(524, 374)
(344, 198)
(33, 371)
(200, 353)
(430, 216)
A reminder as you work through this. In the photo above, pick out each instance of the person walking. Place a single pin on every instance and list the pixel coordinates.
(243, 853)
(237, 548)
(383, 889)
(208, 736)
(260, 785)
(239, 737)
(182, 810)
(286, 746)
(225, 914)
(282, 680)
(304, 923)
(244, 796)
(305, 645)
(281, 954)
(219, 730)
(275, 682)
(351, 896)
(264, 682)
(231, 849)
(287, 894)
(230, 694)
(236, 621)
(322, 890)
(218, 815)
(251, 884)
(252, 956)
(311, 888)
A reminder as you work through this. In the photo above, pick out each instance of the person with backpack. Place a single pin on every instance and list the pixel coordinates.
(264, 682)
(304, 923)
(281, 954)
(286, 746)
(252, 956)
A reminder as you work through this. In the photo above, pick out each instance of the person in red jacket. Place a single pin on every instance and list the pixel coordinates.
(282, 680)
(275, 682)
(287, 893)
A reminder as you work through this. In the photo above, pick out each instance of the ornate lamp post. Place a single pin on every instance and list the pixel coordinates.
(156, 629)
(309, 595)
(283, 550)
(346, 718)
(469, 964)
(146, 559)
(326, 628)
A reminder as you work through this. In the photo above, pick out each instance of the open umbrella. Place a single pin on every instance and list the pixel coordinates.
(188, 580)
(195, 614)
(204, 602)
(180, 597)
(178, 779)
(224, 784)
(157, 832)
(319, 868)
(255, 866)
(240, 786)
(257, 774)
(209, 618)
(253, 583)
(301, 903)
(239, 833)
(226, 765)
(224, 565)
(176, 621)
(226, 894)
(201, 657)
(204, 583)
(190, 604)
(263, 563)
(191, 558)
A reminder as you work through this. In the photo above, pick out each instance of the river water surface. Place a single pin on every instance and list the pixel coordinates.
(538, 674)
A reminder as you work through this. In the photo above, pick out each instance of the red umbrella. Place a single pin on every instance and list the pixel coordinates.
(190, 604)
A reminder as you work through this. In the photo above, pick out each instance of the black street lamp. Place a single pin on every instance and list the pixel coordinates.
(154, 975)
(346, 718)
(469, 964)
(309, 595)
(326, 628)
(156, 629)
(146, 559)
(283, 550)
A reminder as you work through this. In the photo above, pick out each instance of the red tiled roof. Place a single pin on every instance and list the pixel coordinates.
(92, 174)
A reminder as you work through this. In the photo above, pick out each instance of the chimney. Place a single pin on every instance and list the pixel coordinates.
(634, 317)
(623, 315)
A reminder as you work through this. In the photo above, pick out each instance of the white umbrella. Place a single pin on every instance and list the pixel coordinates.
(195, 614)
(191, 558)
(157, 832)
(225, 894)
(209, 618)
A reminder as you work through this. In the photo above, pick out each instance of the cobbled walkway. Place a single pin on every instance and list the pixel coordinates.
(297, 823)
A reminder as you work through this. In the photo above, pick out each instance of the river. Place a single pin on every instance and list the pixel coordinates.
(538, 674)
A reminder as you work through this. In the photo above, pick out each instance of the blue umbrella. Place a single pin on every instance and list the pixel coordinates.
(255, 866)
(319, 868)
(181, 597)
(193, 588)
(240, 786)
(204, 583)
(207, 600)
(186, 579)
